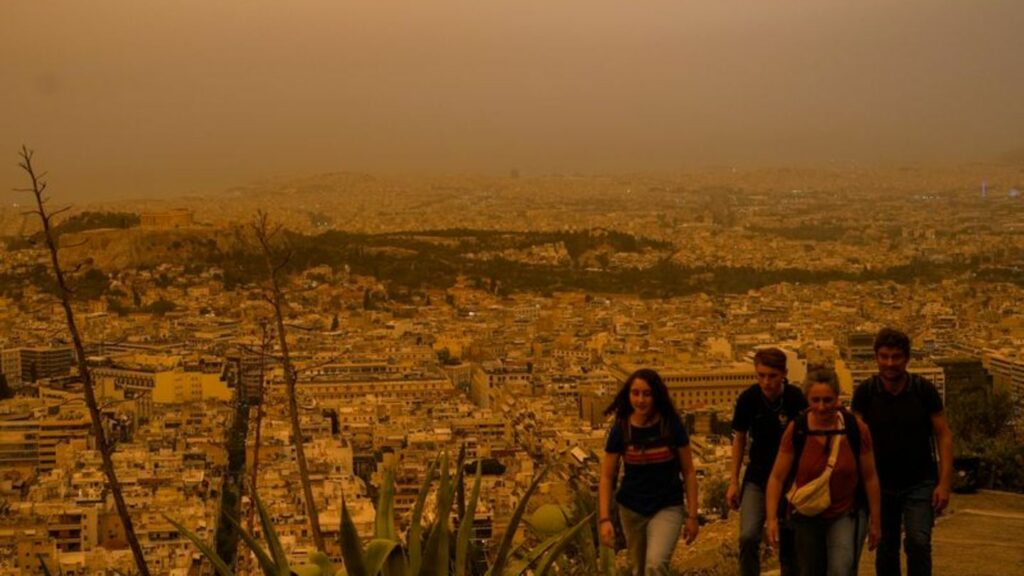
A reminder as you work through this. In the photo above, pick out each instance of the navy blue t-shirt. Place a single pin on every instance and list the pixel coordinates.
(652, 479)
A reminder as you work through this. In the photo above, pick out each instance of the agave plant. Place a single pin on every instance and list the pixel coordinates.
(423, 554)
(596, 558)
(46, 569)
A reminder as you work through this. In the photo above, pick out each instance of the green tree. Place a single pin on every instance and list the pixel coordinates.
(977, 417)
(714, 495)
(980, 422)
(91, 285)
(5, 390)
(160, 307)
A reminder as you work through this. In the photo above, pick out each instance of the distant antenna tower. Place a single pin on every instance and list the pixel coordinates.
(984, 188)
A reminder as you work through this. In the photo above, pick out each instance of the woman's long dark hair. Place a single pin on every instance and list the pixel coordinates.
(663, 405)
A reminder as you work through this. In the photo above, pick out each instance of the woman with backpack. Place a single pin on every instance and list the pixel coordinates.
(649, 438)
(827, 466)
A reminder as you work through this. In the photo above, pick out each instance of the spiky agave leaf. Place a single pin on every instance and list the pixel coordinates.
(414, 537)
(321, 560)
(351, 546)
(270, 535)
(466, 524)
(265, 561)
(42, 564)
(460, 486)
(307, 570)
(385, 521)
(501, 558)
(563, 542)
(436, 556)
(211, 555)
(528, 559)
(586, 539)
(377, 552)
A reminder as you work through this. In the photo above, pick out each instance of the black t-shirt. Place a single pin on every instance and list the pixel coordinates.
(901, 428)
(764, 422)
(652, 478)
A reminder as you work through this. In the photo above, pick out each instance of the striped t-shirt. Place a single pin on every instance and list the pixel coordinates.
(651, 479)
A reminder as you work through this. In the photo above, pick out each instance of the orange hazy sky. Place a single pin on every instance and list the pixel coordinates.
(151, 98)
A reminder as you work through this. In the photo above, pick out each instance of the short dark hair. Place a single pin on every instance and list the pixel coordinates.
(772, 358)
(892, 338)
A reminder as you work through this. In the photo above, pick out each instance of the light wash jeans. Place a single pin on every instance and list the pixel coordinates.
(826, 546)
(752, 517)
(651, 539)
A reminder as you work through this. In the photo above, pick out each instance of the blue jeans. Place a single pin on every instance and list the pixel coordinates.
(752, 517)
(826, 547)
(863, 523)
(651, 539)
(910, 509)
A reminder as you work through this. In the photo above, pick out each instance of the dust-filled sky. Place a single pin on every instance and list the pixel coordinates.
(161, 97)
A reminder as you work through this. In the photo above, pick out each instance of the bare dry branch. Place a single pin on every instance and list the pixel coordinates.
(99, 434)
(264, 233)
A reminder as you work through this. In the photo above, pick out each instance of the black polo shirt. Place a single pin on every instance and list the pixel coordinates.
(901, 429)
(764, 422)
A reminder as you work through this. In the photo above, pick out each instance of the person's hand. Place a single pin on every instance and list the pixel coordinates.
(732, 495)
(874, 533)
(772, 530)
(606, 532)
(690, 529)
(940, 498)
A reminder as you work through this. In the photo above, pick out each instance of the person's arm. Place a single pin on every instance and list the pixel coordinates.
(944, 440)
(692, 526)
(609, 469)
(739, 446)
(869, 476)
(783, 463)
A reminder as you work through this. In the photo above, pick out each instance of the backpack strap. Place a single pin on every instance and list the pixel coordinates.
(800, 430)
(852, 429)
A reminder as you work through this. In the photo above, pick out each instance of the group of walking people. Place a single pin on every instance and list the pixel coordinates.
(821, 479)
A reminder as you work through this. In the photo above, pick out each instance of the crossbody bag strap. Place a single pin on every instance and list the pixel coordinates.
(836, 440)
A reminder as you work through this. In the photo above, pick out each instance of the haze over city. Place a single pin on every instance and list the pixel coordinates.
(150, 99)
(330, 284)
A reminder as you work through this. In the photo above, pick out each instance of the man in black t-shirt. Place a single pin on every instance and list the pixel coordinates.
(762, 411)
(904, 413)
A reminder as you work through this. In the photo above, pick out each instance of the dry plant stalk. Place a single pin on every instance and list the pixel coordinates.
(274, 295)
(64, 291)
(265, 340)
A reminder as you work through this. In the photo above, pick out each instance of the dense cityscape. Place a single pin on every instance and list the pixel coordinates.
(492, 317)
